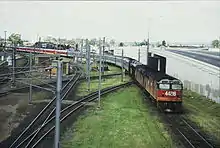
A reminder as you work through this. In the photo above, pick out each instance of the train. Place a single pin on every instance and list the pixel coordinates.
(163, 89)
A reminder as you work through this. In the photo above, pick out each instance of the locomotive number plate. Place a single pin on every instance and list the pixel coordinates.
(170, 93)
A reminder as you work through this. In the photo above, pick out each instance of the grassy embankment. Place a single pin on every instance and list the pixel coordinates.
(124, 120)
(204, 112)
(112, 70)
(107, 82)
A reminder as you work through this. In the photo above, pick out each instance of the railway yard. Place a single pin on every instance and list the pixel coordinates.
(127, 117)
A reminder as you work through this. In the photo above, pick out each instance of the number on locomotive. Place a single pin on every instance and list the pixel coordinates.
(170, 93)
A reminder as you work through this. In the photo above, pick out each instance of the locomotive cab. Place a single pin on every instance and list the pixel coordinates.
(169, 94)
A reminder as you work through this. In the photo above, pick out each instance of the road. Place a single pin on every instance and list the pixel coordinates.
(214, 53)
(213, 60)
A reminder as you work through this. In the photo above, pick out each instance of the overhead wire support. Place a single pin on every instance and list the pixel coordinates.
(30, 81)
(103, 58)
(100, 66)
(88, 64)
(139, 55)
(81, 50)
(13, 67)
(122, 64)
(58, 104)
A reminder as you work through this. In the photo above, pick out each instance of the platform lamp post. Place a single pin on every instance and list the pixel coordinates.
(58, 65)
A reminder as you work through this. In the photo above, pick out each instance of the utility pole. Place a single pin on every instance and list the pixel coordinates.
(147, 51)
(100, 65)
(88, 64)
(13, 66)
(30, 86)
(58, 104)
(81, 50)
(103, 72)
(77, 54)
(122, 64)
(5, 39)
(148, 42)
(94, 61)
(89, 67)
(139, 55)
(5, 45)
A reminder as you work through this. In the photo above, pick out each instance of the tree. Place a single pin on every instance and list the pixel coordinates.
(158, 44)
(15, 39)
(215, 43)
(50, 39)
(164, 43)
(93, 42)
(70, 42)
(112, 42)
(121, 44)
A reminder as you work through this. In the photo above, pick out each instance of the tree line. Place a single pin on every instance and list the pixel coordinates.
(15, 40)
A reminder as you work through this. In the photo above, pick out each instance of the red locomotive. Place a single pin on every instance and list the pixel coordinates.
(165, 90)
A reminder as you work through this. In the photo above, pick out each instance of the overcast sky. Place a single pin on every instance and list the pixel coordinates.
(124, 21)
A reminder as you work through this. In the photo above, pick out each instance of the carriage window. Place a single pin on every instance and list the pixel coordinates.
(164, 86)
(176, 86)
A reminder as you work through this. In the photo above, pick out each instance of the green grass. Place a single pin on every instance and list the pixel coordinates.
(112, 70)
(204, 112)
(123, 121)
(42, 95)
(111, 81)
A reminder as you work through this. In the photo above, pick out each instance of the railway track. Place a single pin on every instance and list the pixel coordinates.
(39, 134)
(189, 135)
(35, 136)
(5, 71)
(46, 112)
